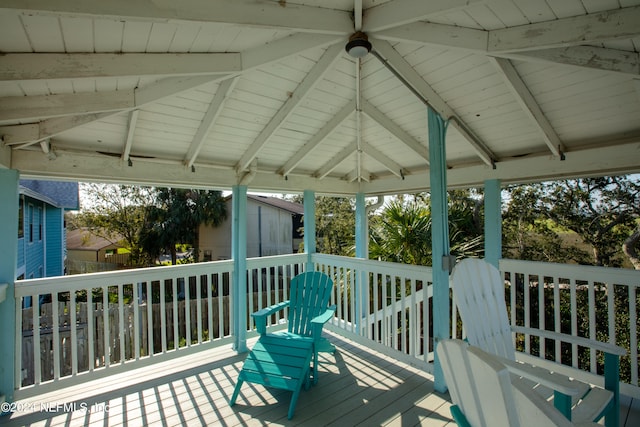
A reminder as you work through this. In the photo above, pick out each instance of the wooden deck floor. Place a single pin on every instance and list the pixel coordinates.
(357, 386)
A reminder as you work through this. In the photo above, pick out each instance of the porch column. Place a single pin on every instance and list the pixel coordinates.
(440, 237)
(362, 251)
(309, 201)
(492, 222)
(9, 230)
(239, 255)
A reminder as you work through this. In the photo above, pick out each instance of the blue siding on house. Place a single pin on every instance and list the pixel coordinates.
(55, 245)
(42, 250)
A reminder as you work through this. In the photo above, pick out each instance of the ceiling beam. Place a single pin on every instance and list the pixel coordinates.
(578, 30)
(131, 129)
(34, 132)
(79, 114)
(529, 104)
(215, 108)
(597, 58)
(266, 14)
(429, 33)
(344, 113)
(402, 12)
(31, 108)
(38, 66)
(395, 130)
(335, 161)
(426, 92)
(476, 41)
(309, 81)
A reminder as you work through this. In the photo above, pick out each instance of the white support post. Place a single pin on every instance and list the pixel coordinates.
(9, 180)
(492, 222)
(440, 237)
(309, 200)
(239, 255)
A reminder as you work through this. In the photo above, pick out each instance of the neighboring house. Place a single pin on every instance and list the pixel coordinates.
(87, 252)
(41, 227)
(273, 228)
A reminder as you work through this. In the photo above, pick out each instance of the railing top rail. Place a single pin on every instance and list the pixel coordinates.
(108, 278)
(390, 268)
(276, 260)
(593, 273)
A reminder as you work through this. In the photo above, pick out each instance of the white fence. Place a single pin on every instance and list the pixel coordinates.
(387, 305)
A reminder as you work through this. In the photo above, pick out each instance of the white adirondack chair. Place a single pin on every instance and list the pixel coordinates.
(478, 290)
(484, 395)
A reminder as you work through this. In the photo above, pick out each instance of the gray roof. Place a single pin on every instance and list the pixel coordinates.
(58, 193)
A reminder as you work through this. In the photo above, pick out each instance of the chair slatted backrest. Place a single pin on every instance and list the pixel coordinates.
(478, 291)
(478, 384)
(309, 297)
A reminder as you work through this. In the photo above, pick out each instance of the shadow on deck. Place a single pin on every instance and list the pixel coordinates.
(357, 386)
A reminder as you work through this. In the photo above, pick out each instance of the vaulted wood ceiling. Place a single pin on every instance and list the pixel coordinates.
(215, 93)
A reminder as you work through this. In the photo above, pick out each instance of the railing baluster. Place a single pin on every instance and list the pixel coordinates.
(35, 312)
(163, 316)
(557, 326)
(187, 311)
(176, 335)
(574, 322)
(121, 323)
(633, 341)
(136, 321)
(74, 333)
(592, 324)
(55, 324)
(150, 345)
(199, 307)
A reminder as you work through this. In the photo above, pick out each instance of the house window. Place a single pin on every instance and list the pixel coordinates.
(40, 223)
(21, 218)
(30, 223)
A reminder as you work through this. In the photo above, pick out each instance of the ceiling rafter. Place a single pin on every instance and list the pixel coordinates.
(335, 161)
(39, 66)
(131, 129)
(309, 81)
(476, 41)
(213, 112)
(529, 104)
(269, 14)
(401, 66)
(383, 159)
(395, 130)
(577, 30)
(355, 175)
(34, 132)
(402, 12)
(342, 115)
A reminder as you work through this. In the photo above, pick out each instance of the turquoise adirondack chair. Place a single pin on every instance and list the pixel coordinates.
(289, 359)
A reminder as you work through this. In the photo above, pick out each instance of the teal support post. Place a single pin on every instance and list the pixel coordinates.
(362, 251)
(492, 222)
(440, 237)
(239, 255)
(309, 201)
(9, 180)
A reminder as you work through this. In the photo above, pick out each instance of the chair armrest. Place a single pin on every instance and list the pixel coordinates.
(318, 322)
(581, 341)
(554, 381)
(260, 316)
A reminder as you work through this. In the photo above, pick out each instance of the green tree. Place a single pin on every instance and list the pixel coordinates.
(115, 212)
(603, 212)
(175, 217)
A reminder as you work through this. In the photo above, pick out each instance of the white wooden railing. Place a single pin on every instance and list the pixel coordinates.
(126, 319)
(148, 318)
(610, 298)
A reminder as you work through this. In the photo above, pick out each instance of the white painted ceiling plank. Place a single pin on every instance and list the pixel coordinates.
(214, 110)
(371, 111)
(529, 104)
(329, 56)
(335, 161)
(317, 139)
(435, 101)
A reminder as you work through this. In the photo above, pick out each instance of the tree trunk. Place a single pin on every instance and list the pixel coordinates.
(630, 248)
